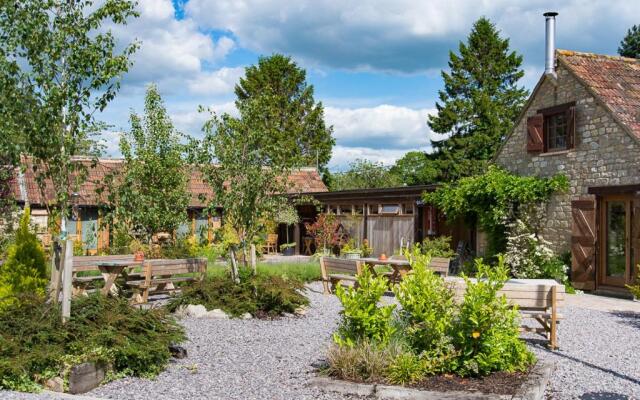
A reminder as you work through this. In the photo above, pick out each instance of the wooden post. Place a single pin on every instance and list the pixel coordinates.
(54, 286)
(234, 266)
(554, 322)
(254, 264)
(67, 277)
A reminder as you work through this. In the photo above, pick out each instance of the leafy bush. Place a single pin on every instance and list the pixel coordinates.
(477, 336)
(439, 246)
(486, 331)
(427, 304)
(362, 319)
(262, 296)
(35, 345)
(25, 269)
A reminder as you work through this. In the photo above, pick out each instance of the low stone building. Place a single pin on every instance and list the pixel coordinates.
(583, 120)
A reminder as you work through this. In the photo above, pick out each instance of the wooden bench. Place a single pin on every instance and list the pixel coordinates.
(159, 276)
(90, 264)
(537, 299)
(337, 270)
(440, 265)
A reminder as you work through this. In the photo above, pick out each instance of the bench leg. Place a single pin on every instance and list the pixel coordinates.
(325, 284)
(553, 341)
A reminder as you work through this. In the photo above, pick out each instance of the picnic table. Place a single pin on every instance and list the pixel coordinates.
(401, 267)
(111, 270)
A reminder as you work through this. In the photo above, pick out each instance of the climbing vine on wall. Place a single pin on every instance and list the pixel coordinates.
(489, 200)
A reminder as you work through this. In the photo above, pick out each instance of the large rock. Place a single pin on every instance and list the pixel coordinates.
(177, 351)
(215, 314)
(246, 316)
(197, 311)
(86, 376)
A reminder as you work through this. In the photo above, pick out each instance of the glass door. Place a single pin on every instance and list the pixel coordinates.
(616, 252)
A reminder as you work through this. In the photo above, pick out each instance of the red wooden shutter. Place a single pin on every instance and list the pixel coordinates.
(535, 141)
(583, 244)
(571, 127)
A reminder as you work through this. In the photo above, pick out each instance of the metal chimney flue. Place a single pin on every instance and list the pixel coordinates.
(550, 43)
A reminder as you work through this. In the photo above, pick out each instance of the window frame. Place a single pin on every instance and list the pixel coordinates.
(552, 112)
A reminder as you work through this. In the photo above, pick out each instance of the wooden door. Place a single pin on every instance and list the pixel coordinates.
(583, 244)
(618, 240)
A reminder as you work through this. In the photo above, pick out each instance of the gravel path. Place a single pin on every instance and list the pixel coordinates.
(253, 359)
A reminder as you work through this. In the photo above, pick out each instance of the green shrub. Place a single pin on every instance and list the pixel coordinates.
(362, 319)
(35, 345)
(439, 246)
(427, 304)
(486, 331)
(263, 296)
(25, 269)
(363, 362)
(405, 368)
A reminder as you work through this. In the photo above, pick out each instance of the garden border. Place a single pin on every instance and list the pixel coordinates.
(532, 389)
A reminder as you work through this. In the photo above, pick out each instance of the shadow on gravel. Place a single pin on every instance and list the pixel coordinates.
(603, 396)
(542, 344)
(628, 318)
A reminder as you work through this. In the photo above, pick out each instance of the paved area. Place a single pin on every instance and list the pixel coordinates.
(602, 303)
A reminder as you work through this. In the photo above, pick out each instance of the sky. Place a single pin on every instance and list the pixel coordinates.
(375, 65)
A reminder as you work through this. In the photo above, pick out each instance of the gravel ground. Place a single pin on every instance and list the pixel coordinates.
(253, 359)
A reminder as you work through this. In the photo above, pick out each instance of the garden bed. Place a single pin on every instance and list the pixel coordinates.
(498, 385)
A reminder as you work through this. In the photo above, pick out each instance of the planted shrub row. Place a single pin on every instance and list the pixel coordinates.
(430, 333)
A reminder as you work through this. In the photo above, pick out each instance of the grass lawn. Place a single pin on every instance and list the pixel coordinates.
(306, 272)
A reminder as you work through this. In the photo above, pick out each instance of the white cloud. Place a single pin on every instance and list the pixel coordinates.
(406, 35)
(190, 121)
(218, 82)
(381, 127)
(171, 51)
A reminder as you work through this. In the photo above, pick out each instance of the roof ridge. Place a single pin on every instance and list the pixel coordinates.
(570, 53)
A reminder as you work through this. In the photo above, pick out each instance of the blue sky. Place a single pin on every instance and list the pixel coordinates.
(375, 65)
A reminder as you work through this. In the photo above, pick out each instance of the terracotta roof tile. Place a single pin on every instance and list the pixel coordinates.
(615, 80)
(303, 180)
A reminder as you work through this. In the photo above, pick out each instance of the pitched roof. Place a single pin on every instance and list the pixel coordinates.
(615, 81)
(303, 180)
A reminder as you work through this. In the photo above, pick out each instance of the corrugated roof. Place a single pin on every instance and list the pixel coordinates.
(304, 180)
(614, 80)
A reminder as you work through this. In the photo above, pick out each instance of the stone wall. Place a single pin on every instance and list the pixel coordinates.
(604, 153)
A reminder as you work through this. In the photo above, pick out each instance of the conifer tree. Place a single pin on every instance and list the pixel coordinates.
(479, 104)
(630, 45)
(291, 116)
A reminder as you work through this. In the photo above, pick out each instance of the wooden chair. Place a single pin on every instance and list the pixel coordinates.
(440, 265)
(81, 284)
(538, 299)
(271, 245)
(338, 270)
(159, 276)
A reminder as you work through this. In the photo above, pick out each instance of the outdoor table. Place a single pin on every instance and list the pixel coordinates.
(111, 270)
(400, 267)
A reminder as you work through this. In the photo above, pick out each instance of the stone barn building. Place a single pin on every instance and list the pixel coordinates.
(583, 120)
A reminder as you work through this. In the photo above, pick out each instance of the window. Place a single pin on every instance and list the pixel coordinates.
(407, 208)
(332, 209)
(390, 209)
(555, 132)
(345, 209)
(358, 209)
(551, 129)
(374, 209)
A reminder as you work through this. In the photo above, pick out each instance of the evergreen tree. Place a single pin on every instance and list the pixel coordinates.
(479, 104)
(291, 116)
(25, 270)
(630, 45)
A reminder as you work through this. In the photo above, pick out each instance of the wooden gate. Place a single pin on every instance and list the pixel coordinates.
(583, 244)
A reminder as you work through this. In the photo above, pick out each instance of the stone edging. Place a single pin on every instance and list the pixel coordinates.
(532, 389)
